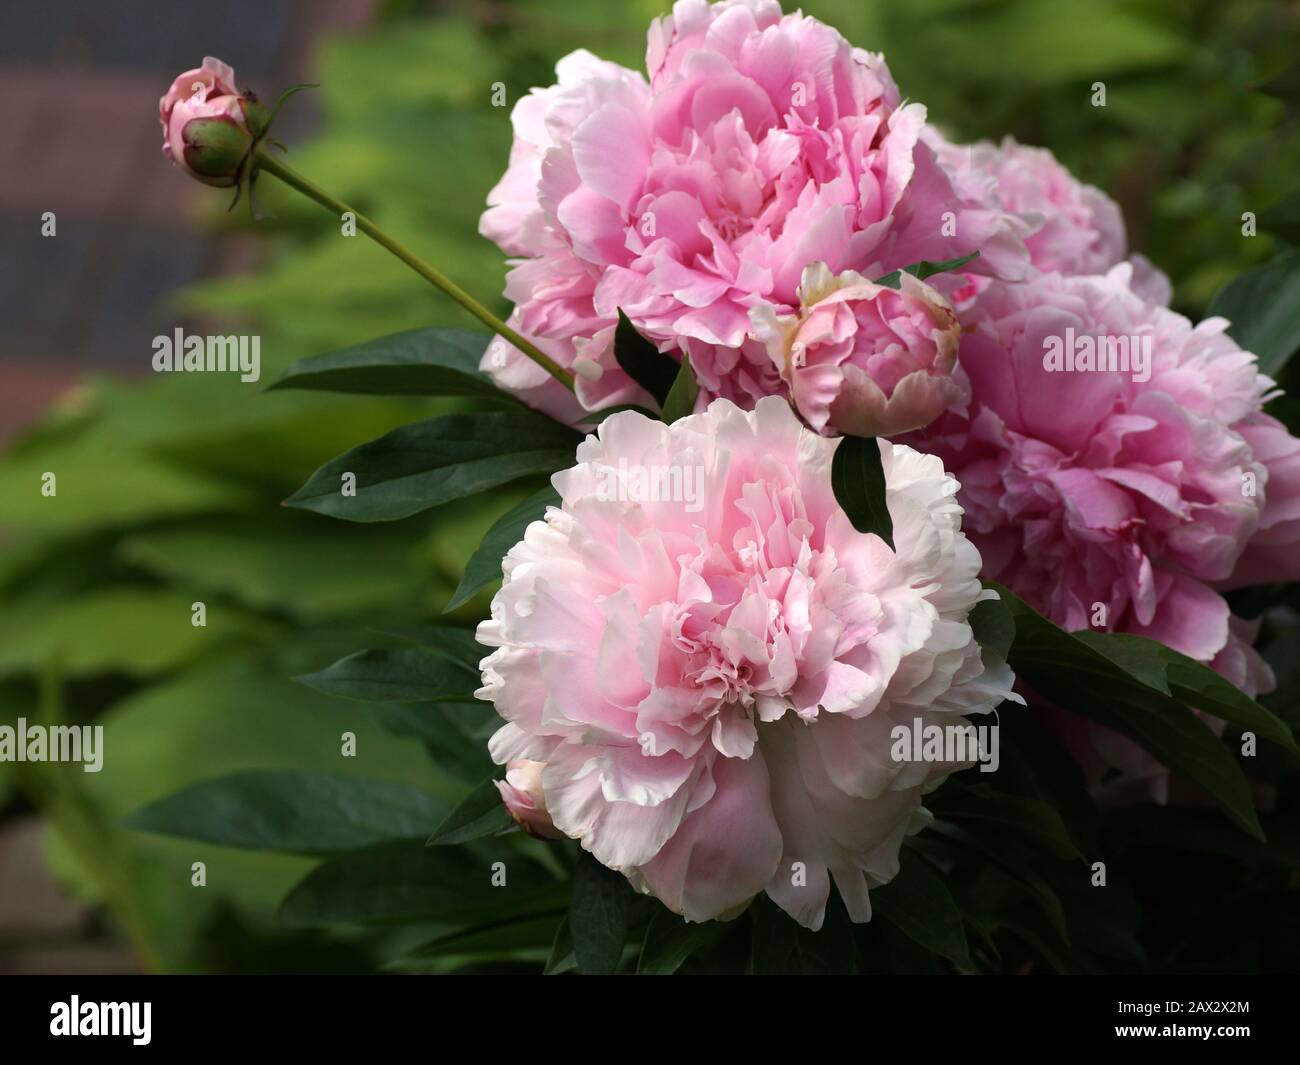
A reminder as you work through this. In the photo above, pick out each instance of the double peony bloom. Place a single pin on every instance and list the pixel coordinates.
(703, 695)
(711, 693)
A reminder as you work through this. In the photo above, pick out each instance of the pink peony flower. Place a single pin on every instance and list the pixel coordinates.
(521, 792)
(1121, 497)
(711, 676)
(206, 123)
(1071, 228)
(759, 143)
(862, 358)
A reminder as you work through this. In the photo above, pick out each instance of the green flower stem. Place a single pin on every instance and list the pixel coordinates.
(266, 162)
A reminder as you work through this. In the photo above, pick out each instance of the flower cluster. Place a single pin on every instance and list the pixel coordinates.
(708, 694)
(1125, 494)
(756, 143)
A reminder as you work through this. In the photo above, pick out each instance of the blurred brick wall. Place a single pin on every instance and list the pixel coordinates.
(81, 81)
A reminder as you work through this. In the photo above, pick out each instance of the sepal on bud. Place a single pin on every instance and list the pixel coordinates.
(214, 149)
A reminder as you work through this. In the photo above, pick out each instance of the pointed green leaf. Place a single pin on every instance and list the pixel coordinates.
(918, 903)
(481, 813)
(400, 676)
(670, 940)
(598, 916)
(642, 361)
(1173, 673)
(484, 565)
(781, 946)
(409, 881)
(993, 626)
(1263, 306)
(925, 268)
(561, 959)
(418, 466)
(683, 394)
(295, 812)
(419, 362)
(858, 479)
(1073, 675)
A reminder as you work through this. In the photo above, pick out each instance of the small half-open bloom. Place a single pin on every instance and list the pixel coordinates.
(864, 358)
(521, 791)
(207, 123)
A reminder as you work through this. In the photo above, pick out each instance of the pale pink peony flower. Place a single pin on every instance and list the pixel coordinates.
(522, 794)
(711, 677)
(863, 358)
(1121, 500)
(206, 123)
(760, 142)
(1070, 227)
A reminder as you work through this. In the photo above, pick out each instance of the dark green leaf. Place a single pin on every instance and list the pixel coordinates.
(419, 362)
(409, 881)
(456, 644)
(421, 465)
(495, 940)
(1195, 683)
(682, 396)
(1073, 675)
(670, 940)
(918, 903)
(484, 565)
(642, 361)
(781, 946)
(858, 479)
(1032, 819)
(302, 813)
(481, 813)
(1168, 828)
(1015, 863)
(993, 626)
(596, 417)
(403, 676)
(598, 916)
(455, 734)
(1263, 306)
(925, 268)
(1030, 749)
(561, 959)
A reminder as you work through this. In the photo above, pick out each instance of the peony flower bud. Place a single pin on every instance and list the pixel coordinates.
(862, 358)
(521, 791)
(209, 126)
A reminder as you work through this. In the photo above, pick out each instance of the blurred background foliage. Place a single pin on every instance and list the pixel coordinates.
(169, 488)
